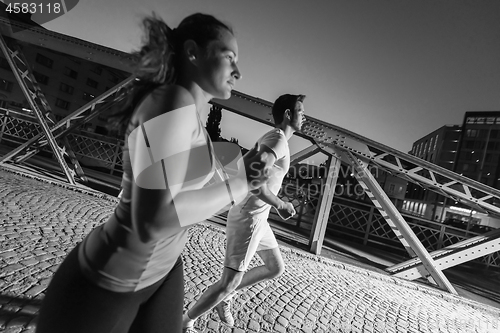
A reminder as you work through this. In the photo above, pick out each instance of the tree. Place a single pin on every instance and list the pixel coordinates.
(213, 123)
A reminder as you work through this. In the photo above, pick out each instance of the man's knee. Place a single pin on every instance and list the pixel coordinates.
(277, 270)
(230, 281)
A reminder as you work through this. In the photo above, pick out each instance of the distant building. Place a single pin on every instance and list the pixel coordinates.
(439, 147)
(472, 150)
(479, 149)
(66, 81)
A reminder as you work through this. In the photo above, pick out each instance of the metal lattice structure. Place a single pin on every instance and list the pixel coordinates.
(41, 109)
(360, 152)
(52, 131)
(17, 129)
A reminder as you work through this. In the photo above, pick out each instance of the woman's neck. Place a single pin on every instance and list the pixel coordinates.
(201, 98)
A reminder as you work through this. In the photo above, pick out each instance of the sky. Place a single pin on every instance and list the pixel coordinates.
(390, 70)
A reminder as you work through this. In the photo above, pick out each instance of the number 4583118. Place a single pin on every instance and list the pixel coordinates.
(33, 8)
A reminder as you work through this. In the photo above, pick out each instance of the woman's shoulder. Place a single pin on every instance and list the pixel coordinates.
(165, 98)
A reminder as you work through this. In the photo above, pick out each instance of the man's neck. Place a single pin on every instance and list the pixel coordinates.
(287, 130)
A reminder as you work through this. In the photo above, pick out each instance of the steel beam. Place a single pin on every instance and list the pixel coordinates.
(457, 257)
(329, 137)
(35, 99)
(65, 44)
(450, 256)
(70, 122)
(322, 215)
(392, 216)
(303, 154)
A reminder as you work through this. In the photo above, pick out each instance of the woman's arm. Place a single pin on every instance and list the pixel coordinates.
(160, 150)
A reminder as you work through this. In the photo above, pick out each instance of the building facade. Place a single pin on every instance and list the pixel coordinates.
(472, 150)
(66, 81)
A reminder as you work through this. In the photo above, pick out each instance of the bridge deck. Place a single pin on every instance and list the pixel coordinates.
(41, 221)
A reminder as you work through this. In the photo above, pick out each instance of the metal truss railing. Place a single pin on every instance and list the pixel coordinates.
(17, 128)
(362, 153)
(347, 217)
(50, 130)
(330, 138)
(68, 123)
(41, 108)
(363, 223)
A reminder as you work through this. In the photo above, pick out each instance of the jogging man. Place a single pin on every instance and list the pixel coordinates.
(248, 230)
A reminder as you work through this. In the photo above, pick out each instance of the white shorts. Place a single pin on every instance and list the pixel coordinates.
(245, 235)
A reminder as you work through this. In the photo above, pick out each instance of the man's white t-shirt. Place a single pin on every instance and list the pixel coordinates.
(277, 142)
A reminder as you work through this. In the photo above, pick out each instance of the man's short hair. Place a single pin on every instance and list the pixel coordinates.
(283, 103)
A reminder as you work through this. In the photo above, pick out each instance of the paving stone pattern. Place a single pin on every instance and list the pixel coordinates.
(40, 222)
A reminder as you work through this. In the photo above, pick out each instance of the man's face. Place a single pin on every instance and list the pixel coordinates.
(299, 117)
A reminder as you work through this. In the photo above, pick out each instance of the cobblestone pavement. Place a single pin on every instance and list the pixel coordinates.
(40, 222)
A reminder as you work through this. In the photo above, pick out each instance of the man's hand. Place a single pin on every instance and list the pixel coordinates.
(286, 211)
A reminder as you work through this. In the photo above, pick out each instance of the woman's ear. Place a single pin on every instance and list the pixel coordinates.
(191, 50)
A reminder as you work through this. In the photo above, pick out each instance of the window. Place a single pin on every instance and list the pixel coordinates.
(114, 79)
(62, 104)
(479, 145)
(40, 78)
(71, 73)
(469, 144)
(97, 70)
(92, 83)
(6, 85)
(43, 60)
(88, 97)
(66, 88)
(472, 133)
(4, 63)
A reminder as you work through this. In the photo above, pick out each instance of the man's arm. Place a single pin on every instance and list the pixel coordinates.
(285, 209)
(264, 194)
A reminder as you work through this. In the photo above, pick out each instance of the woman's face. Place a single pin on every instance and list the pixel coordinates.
(218, 69)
